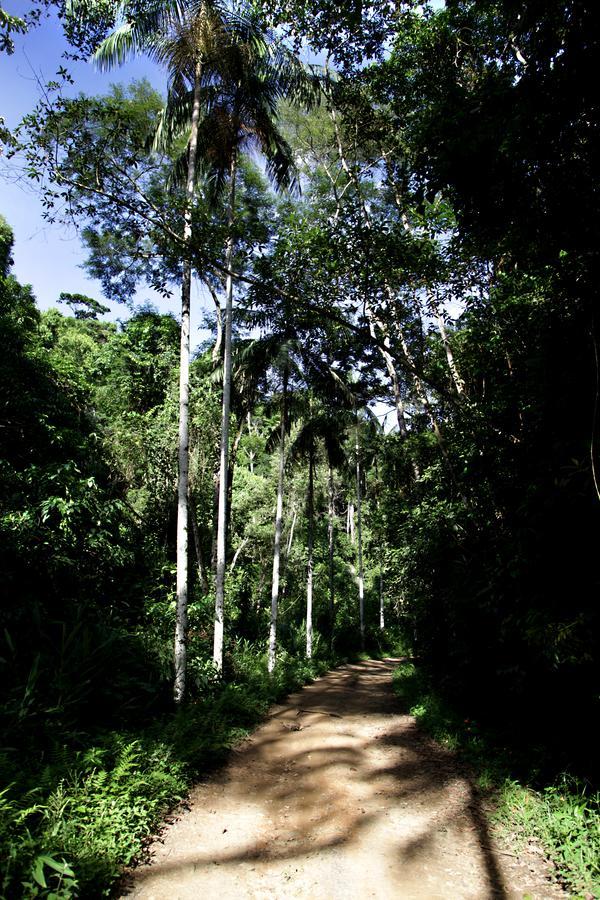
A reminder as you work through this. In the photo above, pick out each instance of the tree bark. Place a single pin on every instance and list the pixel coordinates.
(455, 374)
(216, 350)
(236, 554)
(278, 529)
(201, 567)
(233, 452)
(250, 452)
(361, 584)
(181, 616)
(284, 576)
(224, 459)
(309, 566)
(331, 537)
(291, 534)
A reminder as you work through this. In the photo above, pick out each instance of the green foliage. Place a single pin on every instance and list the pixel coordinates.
(70, 825)
(443, 259)
(84, 307)
(92, 808)
(565, 818)
(10, 25)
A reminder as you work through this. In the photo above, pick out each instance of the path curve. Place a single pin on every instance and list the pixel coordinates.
(338, 795)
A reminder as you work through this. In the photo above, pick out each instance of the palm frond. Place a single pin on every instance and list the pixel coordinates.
(135, 31)
(173, 122)
(117, 47)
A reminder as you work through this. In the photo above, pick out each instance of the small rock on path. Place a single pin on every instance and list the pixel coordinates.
(338, 795)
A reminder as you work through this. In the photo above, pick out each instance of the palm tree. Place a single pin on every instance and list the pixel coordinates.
(241, 116)
(187, 38)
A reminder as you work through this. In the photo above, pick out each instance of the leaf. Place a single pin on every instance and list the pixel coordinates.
(62, 867)
(38, 872)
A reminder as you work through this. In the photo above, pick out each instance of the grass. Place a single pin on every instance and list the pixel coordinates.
(563, 817)
(70, 821)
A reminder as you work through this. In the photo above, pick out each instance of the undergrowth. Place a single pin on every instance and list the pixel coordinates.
(563, 817)
(74, 815)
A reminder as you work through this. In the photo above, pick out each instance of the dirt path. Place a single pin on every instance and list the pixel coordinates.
(337, 796)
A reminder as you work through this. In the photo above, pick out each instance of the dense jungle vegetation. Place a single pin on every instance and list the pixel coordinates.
(390, 440)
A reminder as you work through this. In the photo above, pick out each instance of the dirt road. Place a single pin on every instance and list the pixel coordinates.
(338, 795)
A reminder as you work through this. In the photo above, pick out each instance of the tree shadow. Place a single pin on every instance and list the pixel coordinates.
(338, 764)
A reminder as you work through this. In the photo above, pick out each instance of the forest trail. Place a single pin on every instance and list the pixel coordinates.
(338, 795)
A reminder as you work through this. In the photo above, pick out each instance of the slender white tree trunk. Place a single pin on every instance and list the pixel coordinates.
(180, 653)
(309, 567)
(361, 583)
(331, 537)
(224, 458)
(202, 578)
(278, 530)
(236, 554)
(381, 610)
(285, 559)
(250, 452)
(216, 350)
(456, 378)
(291, 535)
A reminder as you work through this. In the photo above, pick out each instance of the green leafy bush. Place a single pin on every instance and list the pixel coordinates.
(67, 828)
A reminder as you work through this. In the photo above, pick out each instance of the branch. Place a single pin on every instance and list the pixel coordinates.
(327, 313)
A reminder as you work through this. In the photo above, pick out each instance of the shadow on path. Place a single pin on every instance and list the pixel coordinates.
(338, 787)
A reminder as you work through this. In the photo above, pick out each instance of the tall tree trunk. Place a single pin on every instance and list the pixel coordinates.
(215, 518)
(202, 577)
(381, 610)
(455, 374)
(361, 583)
(309, 566)
(278, 529)
(181, 617)
(331, 537)
(236, 554)
(284, 576)
(291, 534)
(233, 452)
(224, 463)
(216, 350)
(250, 452)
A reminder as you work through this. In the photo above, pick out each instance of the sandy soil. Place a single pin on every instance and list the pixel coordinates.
(338, 795)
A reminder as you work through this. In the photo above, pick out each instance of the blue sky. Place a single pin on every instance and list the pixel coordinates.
(46, 256)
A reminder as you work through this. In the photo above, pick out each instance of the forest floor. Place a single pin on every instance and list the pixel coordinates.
(339, 795)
